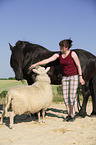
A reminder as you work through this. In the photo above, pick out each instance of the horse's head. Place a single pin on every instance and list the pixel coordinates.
(16, 60)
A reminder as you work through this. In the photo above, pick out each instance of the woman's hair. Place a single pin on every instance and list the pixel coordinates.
(66, 43)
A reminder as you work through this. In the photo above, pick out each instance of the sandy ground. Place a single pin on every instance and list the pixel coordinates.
(54, 132)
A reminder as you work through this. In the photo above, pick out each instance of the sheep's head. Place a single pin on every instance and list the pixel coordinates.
(41, 70)
(42, 74)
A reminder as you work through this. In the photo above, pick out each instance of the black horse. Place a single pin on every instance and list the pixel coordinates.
(25, 54)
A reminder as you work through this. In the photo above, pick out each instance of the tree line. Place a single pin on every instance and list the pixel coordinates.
(10, 78)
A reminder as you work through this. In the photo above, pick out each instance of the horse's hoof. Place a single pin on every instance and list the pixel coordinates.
(82, 114)
(93, 114)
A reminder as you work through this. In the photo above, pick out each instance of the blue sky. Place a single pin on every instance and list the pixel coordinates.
(45, 22)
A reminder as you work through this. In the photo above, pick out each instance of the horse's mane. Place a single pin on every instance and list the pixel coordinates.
(26, 43)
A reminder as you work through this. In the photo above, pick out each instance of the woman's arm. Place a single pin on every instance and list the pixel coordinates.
(77, 62)
(45, 61)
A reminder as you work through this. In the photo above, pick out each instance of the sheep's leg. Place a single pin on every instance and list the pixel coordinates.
(43, 115)
(38, 116)
(11, 119)
(2, 116)
(5, 110)
(7, 104)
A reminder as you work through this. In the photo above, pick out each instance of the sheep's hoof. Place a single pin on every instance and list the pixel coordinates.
(43, 121)
(39, 121)
(11, 128)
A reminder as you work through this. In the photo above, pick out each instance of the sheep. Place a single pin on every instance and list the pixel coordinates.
(29, 99)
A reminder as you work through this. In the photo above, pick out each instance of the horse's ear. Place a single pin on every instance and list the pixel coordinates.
(11, 47)
(20, 44)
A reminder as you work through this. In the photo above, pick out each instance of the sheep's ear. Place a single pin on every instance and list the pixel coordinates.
(35, 71)
(47, 69)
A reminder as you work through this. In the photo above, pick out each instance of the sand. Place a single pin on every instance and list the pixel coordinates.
(27, 131)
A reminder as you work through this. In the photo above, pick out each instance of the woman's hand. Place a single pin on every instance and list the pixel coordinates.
(81, 80)
(32, 66)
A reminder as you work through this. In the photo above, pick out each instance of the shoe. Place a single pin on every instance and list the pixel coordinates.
(67, 118)
(71, 119)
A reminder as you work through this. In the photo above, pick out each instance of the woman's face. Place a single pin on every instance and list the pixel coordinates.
(63, 49)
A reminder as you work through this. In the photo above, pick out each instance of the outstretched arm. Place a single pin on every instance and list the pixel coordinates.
(45, 61)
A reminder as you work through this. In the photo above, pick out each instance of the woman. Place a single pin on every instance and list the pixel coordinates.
(71, 69)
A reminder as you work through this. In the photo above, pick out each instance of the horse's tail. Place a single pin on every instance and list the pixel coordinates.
(79, 92)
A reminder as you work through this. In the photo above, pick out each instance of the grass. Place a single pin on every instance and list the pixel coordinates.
(57, 93)
(57, 90)
(6, 84)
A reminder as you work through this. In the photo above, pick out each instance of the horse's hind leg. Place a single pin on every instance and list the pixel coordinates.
(93, 94)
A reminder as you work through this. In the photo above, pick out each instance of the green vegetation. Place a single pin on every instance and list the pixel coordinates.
(6, 84)
(57, 93)
(3, 94)
(57, 90)
(11, 78)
